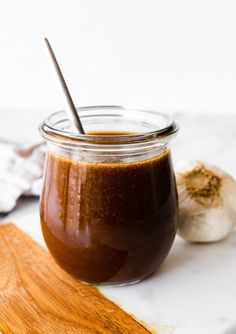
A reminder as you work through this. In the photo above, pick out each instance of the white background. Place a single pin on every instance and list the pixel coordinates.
(167, 54)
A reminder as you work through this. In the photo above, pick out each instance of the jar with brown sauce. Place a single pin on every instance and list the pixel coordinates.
(108, 207)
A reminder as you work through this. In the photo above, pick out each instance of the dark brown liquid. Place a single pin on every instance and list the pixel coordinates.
(109, 222)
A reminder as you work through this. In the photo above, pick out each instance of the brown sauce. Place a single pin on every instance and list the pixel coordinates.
(109, 222)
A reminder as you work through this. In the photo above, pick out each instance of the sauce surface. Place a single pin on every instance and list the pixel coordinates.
(109, 222)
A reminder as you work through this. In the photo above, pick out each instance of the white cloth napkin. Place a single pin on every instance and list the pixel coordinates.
(21, 169)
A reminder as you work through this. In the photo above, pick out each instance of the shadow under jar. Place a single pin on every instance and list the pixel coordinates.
(109, 204)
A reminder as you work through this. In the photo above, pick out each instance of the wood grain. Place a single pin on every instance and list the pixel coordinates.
(36, 296)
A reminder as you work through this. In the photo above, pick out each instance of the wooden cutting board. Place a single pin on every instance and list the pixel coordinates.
(36, 296)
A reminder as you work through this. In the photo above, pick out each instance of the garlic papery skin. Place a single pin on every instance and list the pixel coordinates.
(207, 202)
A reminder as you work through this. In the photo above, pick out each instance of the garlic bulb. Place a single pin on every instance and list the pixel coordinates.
(207, 202)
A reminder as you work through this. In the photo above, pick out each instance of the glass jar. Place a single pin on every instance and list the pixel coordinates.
(109, 204)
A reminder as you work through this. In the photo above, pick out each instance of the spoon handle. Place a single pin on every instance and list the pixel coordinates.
(69, 102)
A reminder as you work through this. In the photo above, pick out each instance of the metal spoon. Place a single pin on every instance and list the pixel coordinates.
(71, 110)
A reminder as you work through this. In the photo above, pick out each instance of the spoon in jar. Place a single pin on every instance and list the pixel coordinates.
(70, 107)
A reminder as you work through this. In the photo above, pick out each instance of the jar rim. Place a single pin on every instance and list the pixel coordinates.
(162, 134)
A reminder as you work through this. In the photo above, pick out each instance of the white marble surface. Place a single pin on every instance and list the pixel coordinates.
(194, 292)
